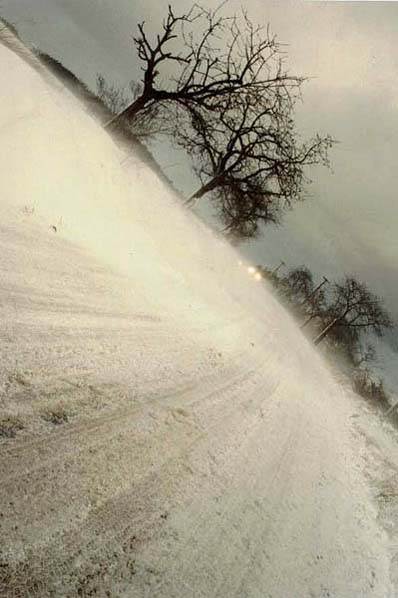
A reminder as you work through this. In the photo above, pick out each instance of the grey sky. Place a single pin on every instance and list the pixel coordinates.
(350, 51)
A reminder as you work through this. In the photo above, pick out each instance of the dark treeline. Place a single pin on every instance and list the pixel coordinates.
(342, 315)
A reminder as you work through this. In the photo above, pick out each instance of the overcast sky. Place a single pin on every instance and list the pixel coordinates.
(349, 49)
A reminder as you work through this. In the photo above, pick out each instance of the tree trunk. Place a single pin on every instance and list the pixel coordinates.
(326, 331)
(148, 94)
(212, 184)
(129, 112)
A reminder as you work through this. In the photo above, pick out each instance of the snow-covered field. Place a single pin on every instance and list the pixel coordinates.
(165, 429)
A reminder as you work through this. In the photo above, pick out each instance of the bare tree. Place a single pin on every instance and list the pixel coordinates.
(248, 157)
(247, 154)
(231, 100)
(306, 299)
(297, 284)
(221, 57)
(354, 309)
(249, 148)
(112, 96)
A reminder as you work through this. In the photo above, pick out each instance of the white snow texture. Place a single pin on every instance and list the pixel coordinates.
(165, 429)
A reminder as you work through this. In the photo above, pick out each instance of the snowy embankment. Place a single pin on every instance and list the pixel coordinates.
(165, 429)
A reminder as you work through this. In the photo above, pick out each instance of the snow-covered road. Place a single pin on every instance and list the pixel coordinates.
(165, 429)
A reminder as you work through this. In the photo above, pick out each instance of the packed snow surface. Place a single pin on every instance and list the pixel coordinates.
(165, 429)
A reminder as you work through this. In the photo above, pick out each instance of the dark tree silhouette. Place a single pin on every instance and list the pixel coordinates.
(223, 83)
(354, 309)
(306, 299)
(213, 57)
(250, 148)
(248, 155)
(297, 284)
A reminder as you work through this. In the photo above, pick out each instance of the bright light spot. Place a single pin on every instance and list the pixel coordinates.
(240, 263)
(257, 276)
(251, 270)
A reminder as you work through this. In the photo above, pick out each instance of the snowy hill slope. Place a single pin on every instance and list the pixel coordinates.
(165, 429)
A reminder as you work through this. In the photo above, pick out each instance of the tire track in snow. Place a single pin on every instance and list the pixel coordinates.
(231, 384)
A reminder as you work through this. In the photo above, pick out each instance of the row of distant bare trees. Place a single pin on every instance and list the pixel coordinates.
(219, 87)
(346, 314)
(342, 311)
